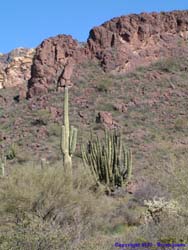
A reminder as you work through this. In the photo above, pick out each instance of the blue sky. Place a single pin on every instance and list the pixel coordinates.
(25, 23)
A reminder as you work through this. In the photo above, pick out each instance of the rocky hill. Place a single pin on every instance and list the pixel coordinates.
(147, 104)
(119, 45)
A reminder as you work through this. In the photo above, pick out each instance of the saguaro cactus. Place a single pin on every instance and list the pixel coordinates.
(68, 137)
(110, 163)
(2, 165)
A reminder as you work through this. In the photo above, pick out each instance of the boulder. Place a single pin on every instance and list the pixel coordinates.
(106, 119)
(53, 64)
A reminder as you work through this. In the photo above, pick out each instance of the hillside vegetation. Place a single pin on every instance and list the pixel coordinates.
(39, 210)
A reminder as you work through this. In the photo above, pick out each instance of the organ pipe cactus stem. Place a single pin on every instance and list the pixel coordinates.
(109, 162)
(68, 137)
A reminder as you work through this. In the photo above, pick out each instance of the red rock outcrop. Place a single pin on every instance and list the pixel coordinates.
(120, 45)
(15, 67)
(54, 62)
(136, 40)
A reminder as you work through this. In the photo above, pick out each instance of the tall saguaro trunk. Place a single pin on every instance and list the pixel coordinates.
(67, 160)
(68, 138)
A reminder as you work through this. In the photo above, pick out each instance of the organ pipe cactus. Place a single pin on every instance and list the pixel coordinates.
(68, 137)
(110, 163)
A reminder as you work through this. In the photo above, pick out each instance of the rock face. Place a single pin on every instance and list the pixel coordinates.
(54, 62)
(15, 67)
(129, 41)
(120, 45)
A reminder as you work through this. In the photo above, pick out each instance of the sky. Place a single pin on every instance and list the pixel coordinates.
(26, 23)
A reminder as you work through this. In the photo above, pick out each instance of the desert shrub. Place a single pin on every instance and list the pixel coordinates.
(23, 156)
(104, 85)
(11, 151)
(97, 243)
(38, 209)
(158, 207)
(168, 65)
(171, 229)
(43, 113)
(166, 219)
(54, 130)
(148, 190)
(181, 124)
(32, 233)
(39, 122)
(177, 178)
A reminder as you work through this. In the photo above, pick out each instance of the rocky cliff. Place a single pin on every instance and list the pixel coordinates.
(129, 41)
(119, 45)
(15, 67)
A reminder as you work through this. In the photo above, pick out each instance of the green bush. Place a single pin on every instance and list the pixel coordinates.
(104, 85)
(39, 211)
(181, 124)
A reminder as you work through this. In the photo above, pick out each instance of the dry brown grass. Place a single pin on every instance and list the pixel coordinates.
(36, 205)
(39, 210)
